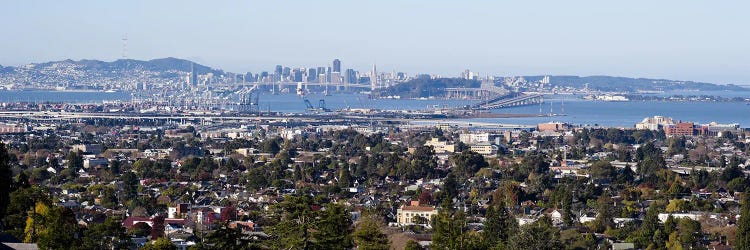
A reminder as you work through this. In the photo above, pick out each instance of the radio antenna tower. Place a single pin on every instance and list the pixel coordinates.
(125, 46)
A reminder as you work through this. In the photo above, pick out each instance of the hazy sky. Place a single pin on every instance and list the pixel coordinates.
(685, 40)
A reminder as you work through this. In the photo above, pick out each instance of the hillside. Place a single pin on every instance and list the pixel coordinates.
(426, 87)
(626, 84)
(87, 73)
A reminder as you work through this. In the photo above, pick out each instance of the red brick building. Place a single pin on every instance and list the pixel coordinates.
(680, 129)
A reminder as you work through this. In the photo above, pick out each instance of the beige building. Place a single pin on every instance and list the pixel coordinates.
(654, 123)
(415, 214)
(440, 147)
(484, 149)
(471, 138)
(552, 126)
(87, 148)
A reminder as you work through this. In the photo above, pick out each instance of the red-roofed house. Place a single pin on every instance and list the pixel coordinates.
(129, 222)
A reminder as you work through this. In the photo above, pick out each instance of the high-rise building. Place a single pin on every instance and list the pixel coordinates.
(312, 74)
(322, 78)
(374, 77)
(277, 73)
(193, 75)
(336, 65)
(297, 75)
(335, 77)
(350, 76)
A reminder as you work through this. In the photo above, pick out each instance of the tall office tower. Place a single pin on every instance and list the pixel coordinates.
(297, 75)
(312, 74)
(374, 77)
(278, 70)
(350, 76)
(193, 75)
(336, 65)
(277, 73)
(335, 77)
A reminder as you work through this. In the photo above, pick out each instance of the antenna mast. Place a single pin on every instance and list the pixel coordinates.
(125, 46)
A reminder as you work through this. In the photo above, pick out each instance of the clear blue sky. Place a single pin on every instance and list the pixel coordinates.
(684, 40)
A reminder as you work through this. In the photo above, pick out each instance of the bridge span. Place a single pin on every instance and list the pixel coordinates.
(510, 101)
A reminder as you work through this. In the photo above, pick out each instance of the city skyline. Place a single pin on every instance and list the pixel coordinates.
(685, 41)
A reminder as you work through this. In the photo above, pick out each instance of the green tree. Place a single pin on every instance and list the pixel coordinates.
(369, 236)
(422, 163)
(333, 228)
(450, 185)
(648, 230)
(467, 163)
(532, 163)
(129, 185)
(231, 238)
(300, 227)
(413, 245)
(75, 160)
(345, 178)
(140, 229)
(271, 146)
(572, 239)
(22, 201)
(742, 238)
(450, 231)
(674, 242)
(6, 182)
(61, 230)
(690, 233)
(295, 222)
(538, 235)
(107, 235)
(160, 244)
(604, 215)
(498, 226)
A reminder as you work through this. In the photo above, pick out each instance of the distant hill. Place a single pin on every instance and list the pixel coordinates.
(5, 69)
(426, 87)
(88, 73)
(161, 64)
(626, 84)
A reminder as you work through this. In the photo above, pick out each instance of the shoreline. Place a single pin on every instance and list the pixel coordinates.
(63, 91)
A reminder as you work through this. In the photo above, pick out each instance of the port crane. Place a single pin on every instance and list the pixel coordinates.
(321, 106)
(249, 99)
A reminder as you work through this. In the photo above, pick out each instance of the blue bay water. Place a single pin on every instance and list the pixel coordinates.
(575, 110)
